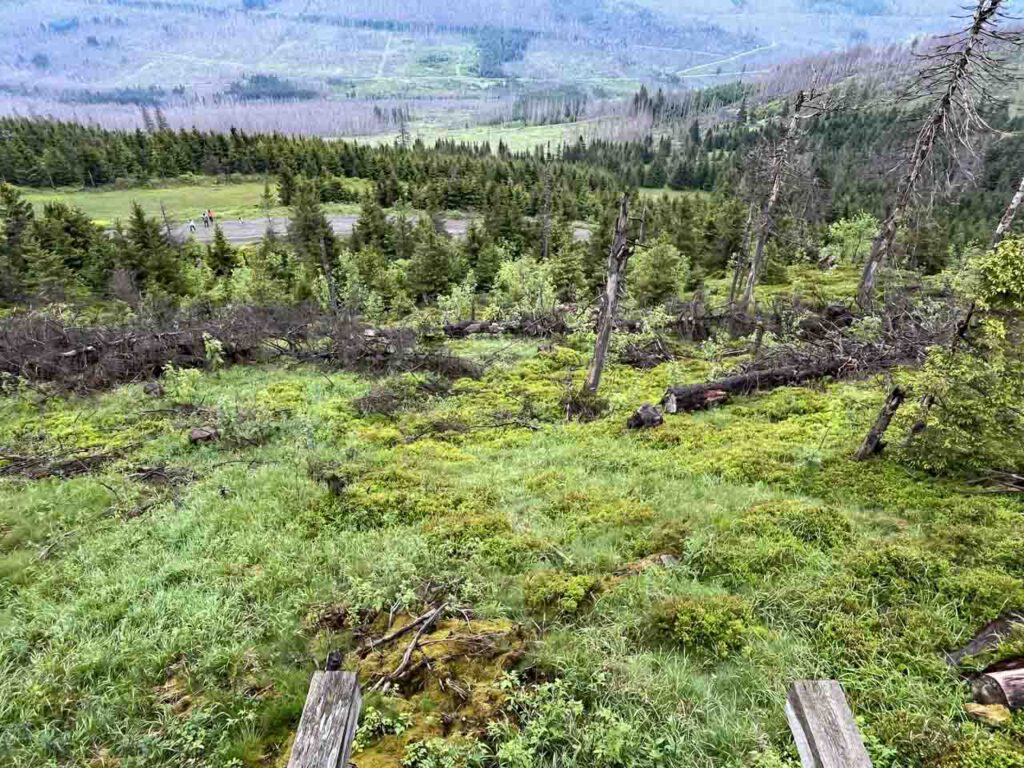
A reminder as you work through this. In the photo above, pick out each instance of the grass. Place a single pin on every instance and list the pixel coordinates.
(182, 200)
(151, 624)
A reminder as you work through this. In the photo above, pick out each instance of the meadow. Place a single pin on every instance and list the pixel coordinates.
(182, 200)
(168, 607)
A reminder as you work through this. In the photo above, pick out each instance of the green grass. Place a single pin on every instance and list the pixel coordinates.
(151, 624)
(182, 201)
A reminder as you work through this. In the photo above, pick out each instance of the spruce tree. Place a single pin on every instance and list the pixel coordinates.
(433, 263)
(220, 256)
(372, 230)
(312, 237)
(15, 226)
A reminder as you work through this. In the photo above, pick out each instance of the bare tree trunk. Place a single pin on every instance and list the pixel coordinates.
(741, 258)
(545, 233)
(957, 82)
(1011, 213)
(873, 442)
(332, 289)
(618, 258)
(777, 170)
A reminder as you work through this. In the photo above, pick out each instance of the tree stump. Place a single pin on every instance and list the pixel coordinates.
(645, 417)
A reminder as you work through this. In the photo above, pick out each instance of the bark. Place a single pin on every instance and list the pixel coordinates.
(1002, 684)
(1011, 213)
(780, 161)
(618, 258)
(990, 636)
(952, 97)
(332, 289)
(874, 442)
(696, 397)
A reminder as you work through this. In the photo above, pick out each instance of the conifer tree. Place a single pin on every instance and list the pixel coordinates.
(220, 256)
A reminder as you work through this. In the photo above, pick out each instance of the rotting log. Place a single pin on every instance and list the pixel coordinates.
(990, 636)
(874, 441)
(329, 719)
(1001, 684)
(697, 397)
(823, 727)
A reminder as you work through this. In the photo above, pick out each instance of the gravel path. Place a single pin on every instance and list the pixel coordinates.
(242, 231)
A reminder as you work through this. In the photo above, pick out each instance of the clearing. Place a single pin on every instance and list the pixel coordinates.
(168, 606)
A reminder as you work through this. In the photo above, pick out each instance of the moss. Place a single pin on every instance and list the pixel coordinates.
(894, 572)
(817, 525)
(583, 510)
(558, 592)
(713, 626)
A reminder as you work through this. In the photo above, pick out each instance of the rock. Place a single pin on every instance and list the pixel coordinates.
(201, 435)
(646, 417)
(989, 714)
(153, 389)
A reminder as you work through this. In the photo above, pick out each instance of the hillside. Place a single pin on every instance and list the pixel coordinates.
(218, 62)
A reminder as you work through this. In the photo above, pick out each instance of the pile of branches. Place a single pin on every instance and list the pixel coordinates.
(829, 346)
(38, 347)
(54, 464)
(534, 327)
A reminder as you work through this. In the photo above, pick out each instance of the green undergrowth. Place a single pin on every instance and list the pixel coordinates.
(168, 606)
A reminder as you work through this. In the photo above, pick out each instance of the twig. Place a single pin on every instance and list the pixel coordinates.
(410, 650)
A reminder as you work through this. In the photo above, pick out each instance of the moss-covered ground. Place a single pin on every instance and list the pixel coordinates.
(168, 608)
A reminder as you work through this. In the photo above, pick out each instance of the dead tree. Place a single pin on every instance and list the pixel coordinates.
(618, 258)
(741, 257)
(956, 76)
(873, 442)
(545, 229)
(777, 167)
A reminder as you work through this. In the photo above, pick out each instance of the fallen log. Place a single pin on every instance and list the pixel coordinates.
(990, 636)
(1001, 684)
(697, 397)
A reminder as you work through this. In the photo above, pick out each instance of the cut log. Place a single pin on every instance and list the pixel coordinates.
(329, 719)
(645, 417)
(697, 397)
(874, 441)
(990, 636)
(823, 727)
(1001, 684)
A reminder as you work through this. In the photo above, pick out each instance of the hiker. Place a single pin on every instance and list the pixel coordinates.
(191, 225)
(206, 219)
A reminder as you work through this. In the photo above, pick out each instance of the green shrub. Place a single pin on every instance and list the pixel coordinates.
(714, 626)
(441, 753)
(819, 526)
(893, 573)
(559, 591)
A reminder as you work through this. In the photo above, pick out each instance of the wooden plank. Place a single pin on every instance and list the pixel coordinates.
(823, 727)
(329, 719)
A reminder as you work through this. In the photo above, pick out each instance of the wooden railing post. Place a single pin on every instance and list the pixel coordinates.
(823, 727)
(329, 719)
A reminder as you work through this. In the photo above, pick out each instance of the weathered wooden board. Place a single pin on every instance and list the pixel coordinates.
(329, 720)
(823, 726)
